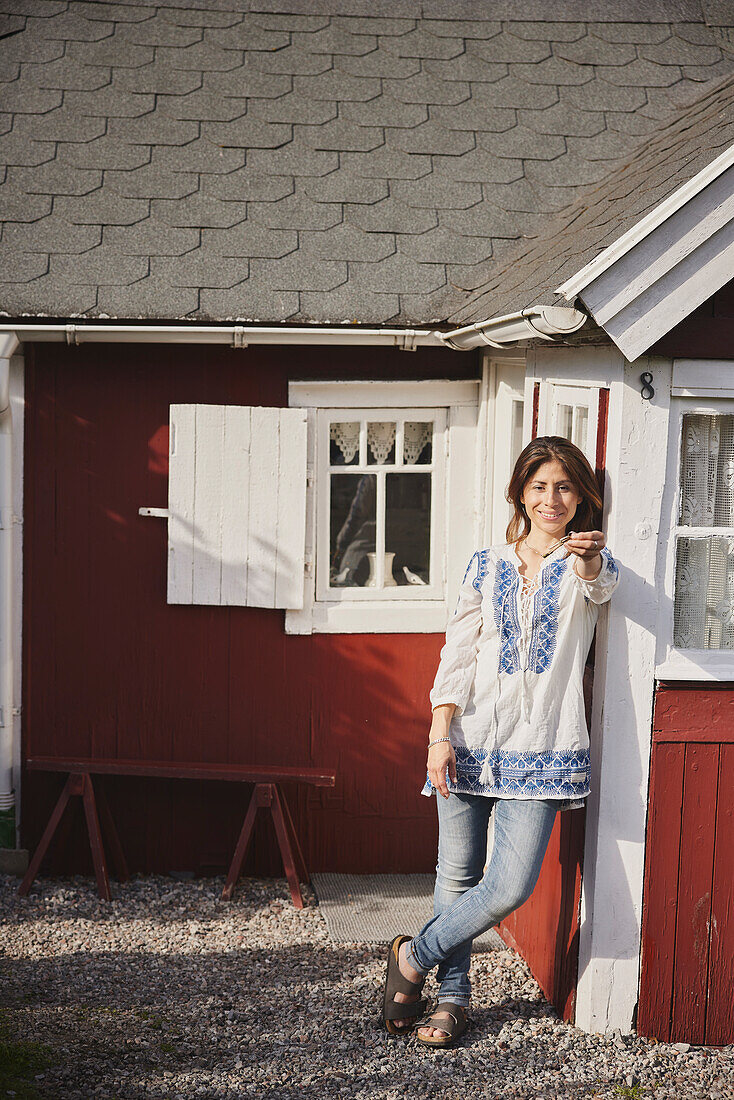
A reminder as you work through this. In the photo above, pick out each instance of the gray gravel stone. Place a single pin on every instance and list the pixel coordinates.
(171, 992)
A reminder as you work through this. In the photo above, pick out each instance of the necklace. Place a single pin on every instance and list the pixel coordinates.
(540, 553)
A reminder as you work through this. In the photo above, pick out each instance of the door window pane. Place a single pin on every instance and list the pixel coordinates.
(565, 421)
(352, 529)
(581, 427)
(408, 528)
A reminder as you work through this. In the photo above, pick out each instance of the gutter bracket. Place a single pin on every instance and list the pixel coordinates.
(238, 337)
(72, 337)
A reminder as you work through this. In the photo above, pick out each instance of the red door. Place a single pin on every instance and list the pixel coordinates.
(687, 979)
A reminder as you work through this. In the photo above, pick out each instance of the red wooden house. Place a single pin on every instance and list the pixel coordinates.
(284, 293)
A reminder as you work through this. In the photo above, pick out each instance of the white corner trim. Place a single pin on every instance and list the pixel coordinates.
(620, 735)
(646, 225)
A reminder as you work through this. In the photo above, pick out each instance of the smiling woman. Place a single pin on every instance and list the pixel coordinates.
(508, 736)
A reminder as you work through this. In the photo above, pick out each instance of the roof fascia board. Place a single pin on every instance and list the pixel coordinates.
(646, 225)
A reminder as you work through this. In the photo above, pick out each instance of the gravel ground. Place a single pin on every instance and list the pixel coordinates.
(170, 992)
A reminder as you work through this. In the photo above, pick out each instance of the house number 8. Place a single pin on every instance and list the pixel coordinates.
(647, 391)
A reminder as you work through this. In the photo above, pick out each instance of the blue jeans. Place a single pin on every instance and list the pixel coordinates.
(467, 901)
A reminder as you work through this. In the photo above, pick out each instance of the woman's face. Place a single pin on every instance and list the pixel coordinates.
(550, 498)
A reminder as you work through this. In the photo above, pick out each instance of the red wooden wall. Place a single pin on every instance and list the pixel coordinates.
(687, 977)
(545, 930)
(109, 668)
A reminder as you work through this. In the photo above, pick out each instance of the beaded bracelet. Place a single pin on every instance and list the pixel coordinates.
(438, 741)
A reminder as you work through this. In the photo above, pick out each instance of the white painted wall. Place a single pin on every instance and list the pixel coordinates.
(620, 734)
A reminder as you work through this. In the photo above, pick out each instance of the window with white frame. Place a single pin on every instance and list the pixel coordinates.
(704, 534)
(696, 571)
(391, 516)
(381, 501)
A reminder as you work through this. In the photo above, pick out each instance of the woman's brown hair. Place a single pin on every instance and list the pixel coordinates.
(546, 448)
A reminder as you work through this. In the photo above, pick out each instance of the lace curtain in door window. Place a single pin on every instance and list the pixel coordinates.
(704, 575)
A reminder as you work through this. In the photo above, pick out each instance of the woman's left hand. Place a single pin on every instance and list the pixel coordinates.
(585, 544)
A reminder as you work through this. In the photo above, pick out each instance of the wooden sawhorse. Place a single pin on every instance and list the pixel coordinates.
(267, 794)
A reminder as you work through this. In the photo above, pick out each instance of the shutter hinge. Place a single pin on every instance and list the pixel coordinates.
(161, 513)
(308, 565)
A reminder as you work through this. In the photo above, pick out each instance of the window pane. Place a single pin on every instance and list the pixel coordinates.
(704, 593)
(516, 431)
(408, 528)
(380, 443)
(581, 428)
(707, 471)
(417, 437)
(344, 444)
(564, 419)
(352, 529)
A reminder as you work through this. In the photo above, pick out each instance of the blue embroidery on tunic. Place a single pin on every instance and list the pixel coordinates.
(611, 563)
(482, 570)
(557, 773)
(544, 627)
(504, 601)
(468, 568)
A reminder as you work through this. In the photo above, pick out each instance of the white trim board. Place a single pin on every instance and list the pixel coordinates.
(703, 378)
(372, 393)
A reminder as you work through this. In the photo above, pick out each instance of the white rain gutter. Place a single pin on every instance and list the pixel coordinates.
(236, 336)
(537, 322)
(646, 225)
(540, 322)
(8, 344)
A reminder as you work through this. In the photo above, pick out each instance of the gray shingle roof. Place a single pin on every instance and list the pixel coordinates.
(342, 160)
(528, 274)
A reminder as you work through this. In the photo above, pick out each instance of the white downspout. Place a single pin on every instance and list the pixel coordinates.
(8, 345)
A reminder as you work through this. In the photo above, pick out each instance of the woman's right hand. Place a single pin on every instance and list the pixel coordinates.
(441, 757)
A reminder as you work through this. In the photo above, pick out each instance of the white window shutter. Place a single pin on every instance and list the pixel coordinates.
(236, 505)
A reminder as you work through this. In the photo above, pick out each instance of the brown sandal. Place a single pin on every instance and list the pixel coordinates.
(396, 983)
(455, 1026)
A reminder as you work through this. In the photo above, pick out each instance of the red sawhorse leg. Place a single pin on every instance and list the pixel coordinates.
(77, 783)
(269, 795)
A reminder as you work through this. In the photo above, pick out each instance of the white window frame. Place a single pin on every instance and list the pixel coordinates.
(672, 662)
(454, 525)
(436, 468)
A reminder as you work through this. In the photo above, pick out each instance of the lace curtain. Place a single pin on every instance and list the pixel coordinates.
(704, 580)
(381, 440)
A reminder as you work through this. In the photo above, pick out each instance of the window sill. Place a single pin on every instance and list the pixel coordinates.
(377, 617)
(697, 664)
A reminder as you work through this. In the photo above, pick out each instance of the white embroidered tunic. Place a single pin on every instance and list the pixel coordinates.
(513, 664)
